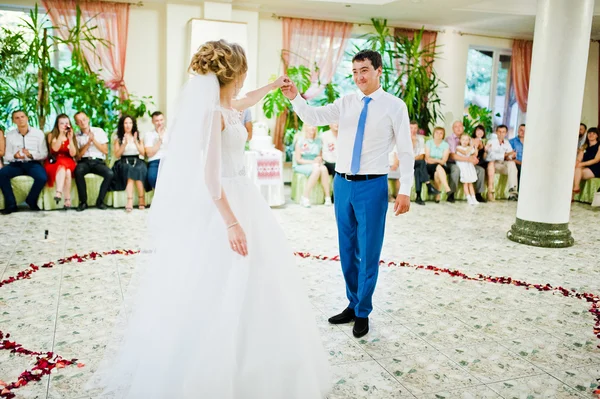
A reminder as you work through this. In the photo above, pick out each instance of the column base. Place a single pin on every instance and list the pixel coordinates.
(539, 234)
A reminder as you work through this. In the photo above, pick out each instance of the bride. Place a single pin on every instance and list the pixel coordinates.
(219, 312)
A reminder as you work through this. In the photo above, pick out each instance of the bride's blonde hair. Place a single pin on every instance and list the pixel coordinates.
(226, 60)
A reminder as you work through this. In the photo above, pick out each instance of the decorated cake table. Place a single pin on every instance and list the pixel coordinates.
(264, 165)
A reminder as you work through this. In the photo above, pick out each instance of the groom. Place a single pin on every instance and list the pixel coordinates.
(370, 124)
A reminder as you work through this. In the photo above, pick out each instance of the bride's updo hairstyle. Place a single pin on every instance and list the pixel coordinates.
(226, 60)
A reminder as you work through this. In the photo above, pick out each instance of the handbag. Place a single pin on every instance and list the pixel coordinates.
(596, 201)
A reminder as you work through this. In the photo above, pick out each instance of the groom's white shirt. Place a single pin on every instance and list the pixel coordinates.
(387, 124)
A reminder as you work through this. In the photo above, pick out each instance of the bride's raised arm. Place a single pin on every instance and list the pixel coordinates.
(253, 97)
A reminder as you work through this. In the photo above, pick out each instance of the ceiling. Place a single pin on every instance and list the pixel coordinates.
(511, 18)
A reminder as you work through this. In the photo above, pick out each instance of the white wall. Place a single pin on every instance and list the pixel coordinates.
(145, 65)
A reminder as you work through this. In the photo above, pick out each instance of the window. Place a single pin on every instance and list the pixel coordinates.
(13, 19)
(489, 85)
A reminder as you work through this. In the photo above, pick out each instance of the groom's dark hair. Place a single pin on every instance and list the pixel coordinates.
(370, 55)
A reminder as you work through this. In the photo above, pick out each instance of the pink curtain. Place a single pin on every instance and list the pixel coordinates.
(520, 70)
(315, 43)
(112, 22)
(310, 42)
(429, 39)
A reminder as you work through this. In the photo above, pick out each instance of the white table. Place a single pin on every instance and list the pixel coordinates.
(265, 169)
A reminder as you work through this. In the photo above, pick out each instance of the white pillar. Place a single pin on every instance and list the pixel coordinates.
(559, 62)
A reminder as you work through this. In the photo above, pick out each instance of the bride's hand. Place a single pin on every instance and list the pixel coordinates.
(237, 240)
(281, 81)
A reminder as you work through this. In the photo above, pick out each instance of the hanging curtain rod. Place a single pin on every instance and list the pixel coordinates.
(489, 36)
(502, 37)
(355, 23)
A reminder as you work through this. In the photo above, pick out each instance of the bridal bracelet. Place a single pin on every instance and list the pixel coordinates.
(231, 225)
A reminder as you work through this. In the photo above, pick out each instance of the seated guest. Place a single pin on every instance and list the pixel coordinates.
(394, 175)
(582, 135)
(501, 156)
(309, 162)
(2, 146)
(454, 141)
(479, 141)
(437, 152)
(421, 174)
(517, 144)
(60, 164)
(130, 167)
(155, 143)
(25, 149)
(588, 161)
(329, 140)
(91, 156)
(247, 122)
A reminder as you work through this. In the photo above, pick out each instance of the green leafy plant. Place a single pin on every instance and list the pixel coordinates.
(383, 41)
(276, 104)
(478, 116)
(29, 80)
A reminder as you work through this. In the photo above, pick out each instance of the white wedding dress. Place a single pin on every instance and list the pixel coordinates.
(206, 322)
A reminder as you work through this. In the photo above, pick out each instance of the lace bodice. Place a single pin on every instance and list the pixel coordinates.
(233, 144)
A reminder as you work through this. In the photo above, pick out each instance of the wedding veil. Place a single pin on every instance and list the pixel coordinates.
(169, 267)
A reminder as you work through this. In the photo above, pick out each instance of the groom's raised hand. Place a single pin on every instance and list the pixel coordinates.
(289, 90)
(402, 204)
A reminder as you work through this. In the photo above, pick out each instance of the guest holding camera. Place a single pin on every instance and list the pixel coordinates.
(91, 156)
(60, 164)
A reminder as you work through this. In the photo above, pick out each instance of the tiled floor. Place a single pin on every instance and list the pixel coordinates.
(432, 336)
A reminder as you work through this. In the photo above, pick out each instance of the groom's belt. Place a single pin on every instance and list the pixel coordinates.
(358, 177)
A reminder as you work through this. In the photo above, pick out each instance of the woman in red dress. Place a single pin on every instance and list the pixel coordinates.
(60, 164)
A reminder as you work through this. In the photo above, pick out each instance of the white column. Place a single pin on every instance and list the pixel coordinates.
(559, 63)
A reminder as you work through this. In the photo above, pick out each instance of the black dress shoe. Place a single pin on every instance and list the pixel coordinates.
(8, 211)
(420, 201)
(82, 207)
(34, 207)
(102, 206)
(480, 198)
(450, 198)
(432, 190)
(361, 327)
(345, 317)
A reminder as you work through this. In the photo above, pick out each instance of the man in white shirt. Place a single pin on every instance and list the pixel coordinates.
(501, 158)
(91, 158)
(155, 143)
(370, 124)
(25, 149)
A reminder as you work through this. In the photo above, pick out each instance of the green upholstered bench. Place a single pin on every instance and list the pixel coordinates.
(117, 199)
(92, 183)
(588, 189)
(501, 190)
(21, 186)
(317, 196)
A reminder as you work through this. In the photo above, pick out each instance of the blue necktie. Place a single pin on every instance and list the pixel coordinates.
(360, 134)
